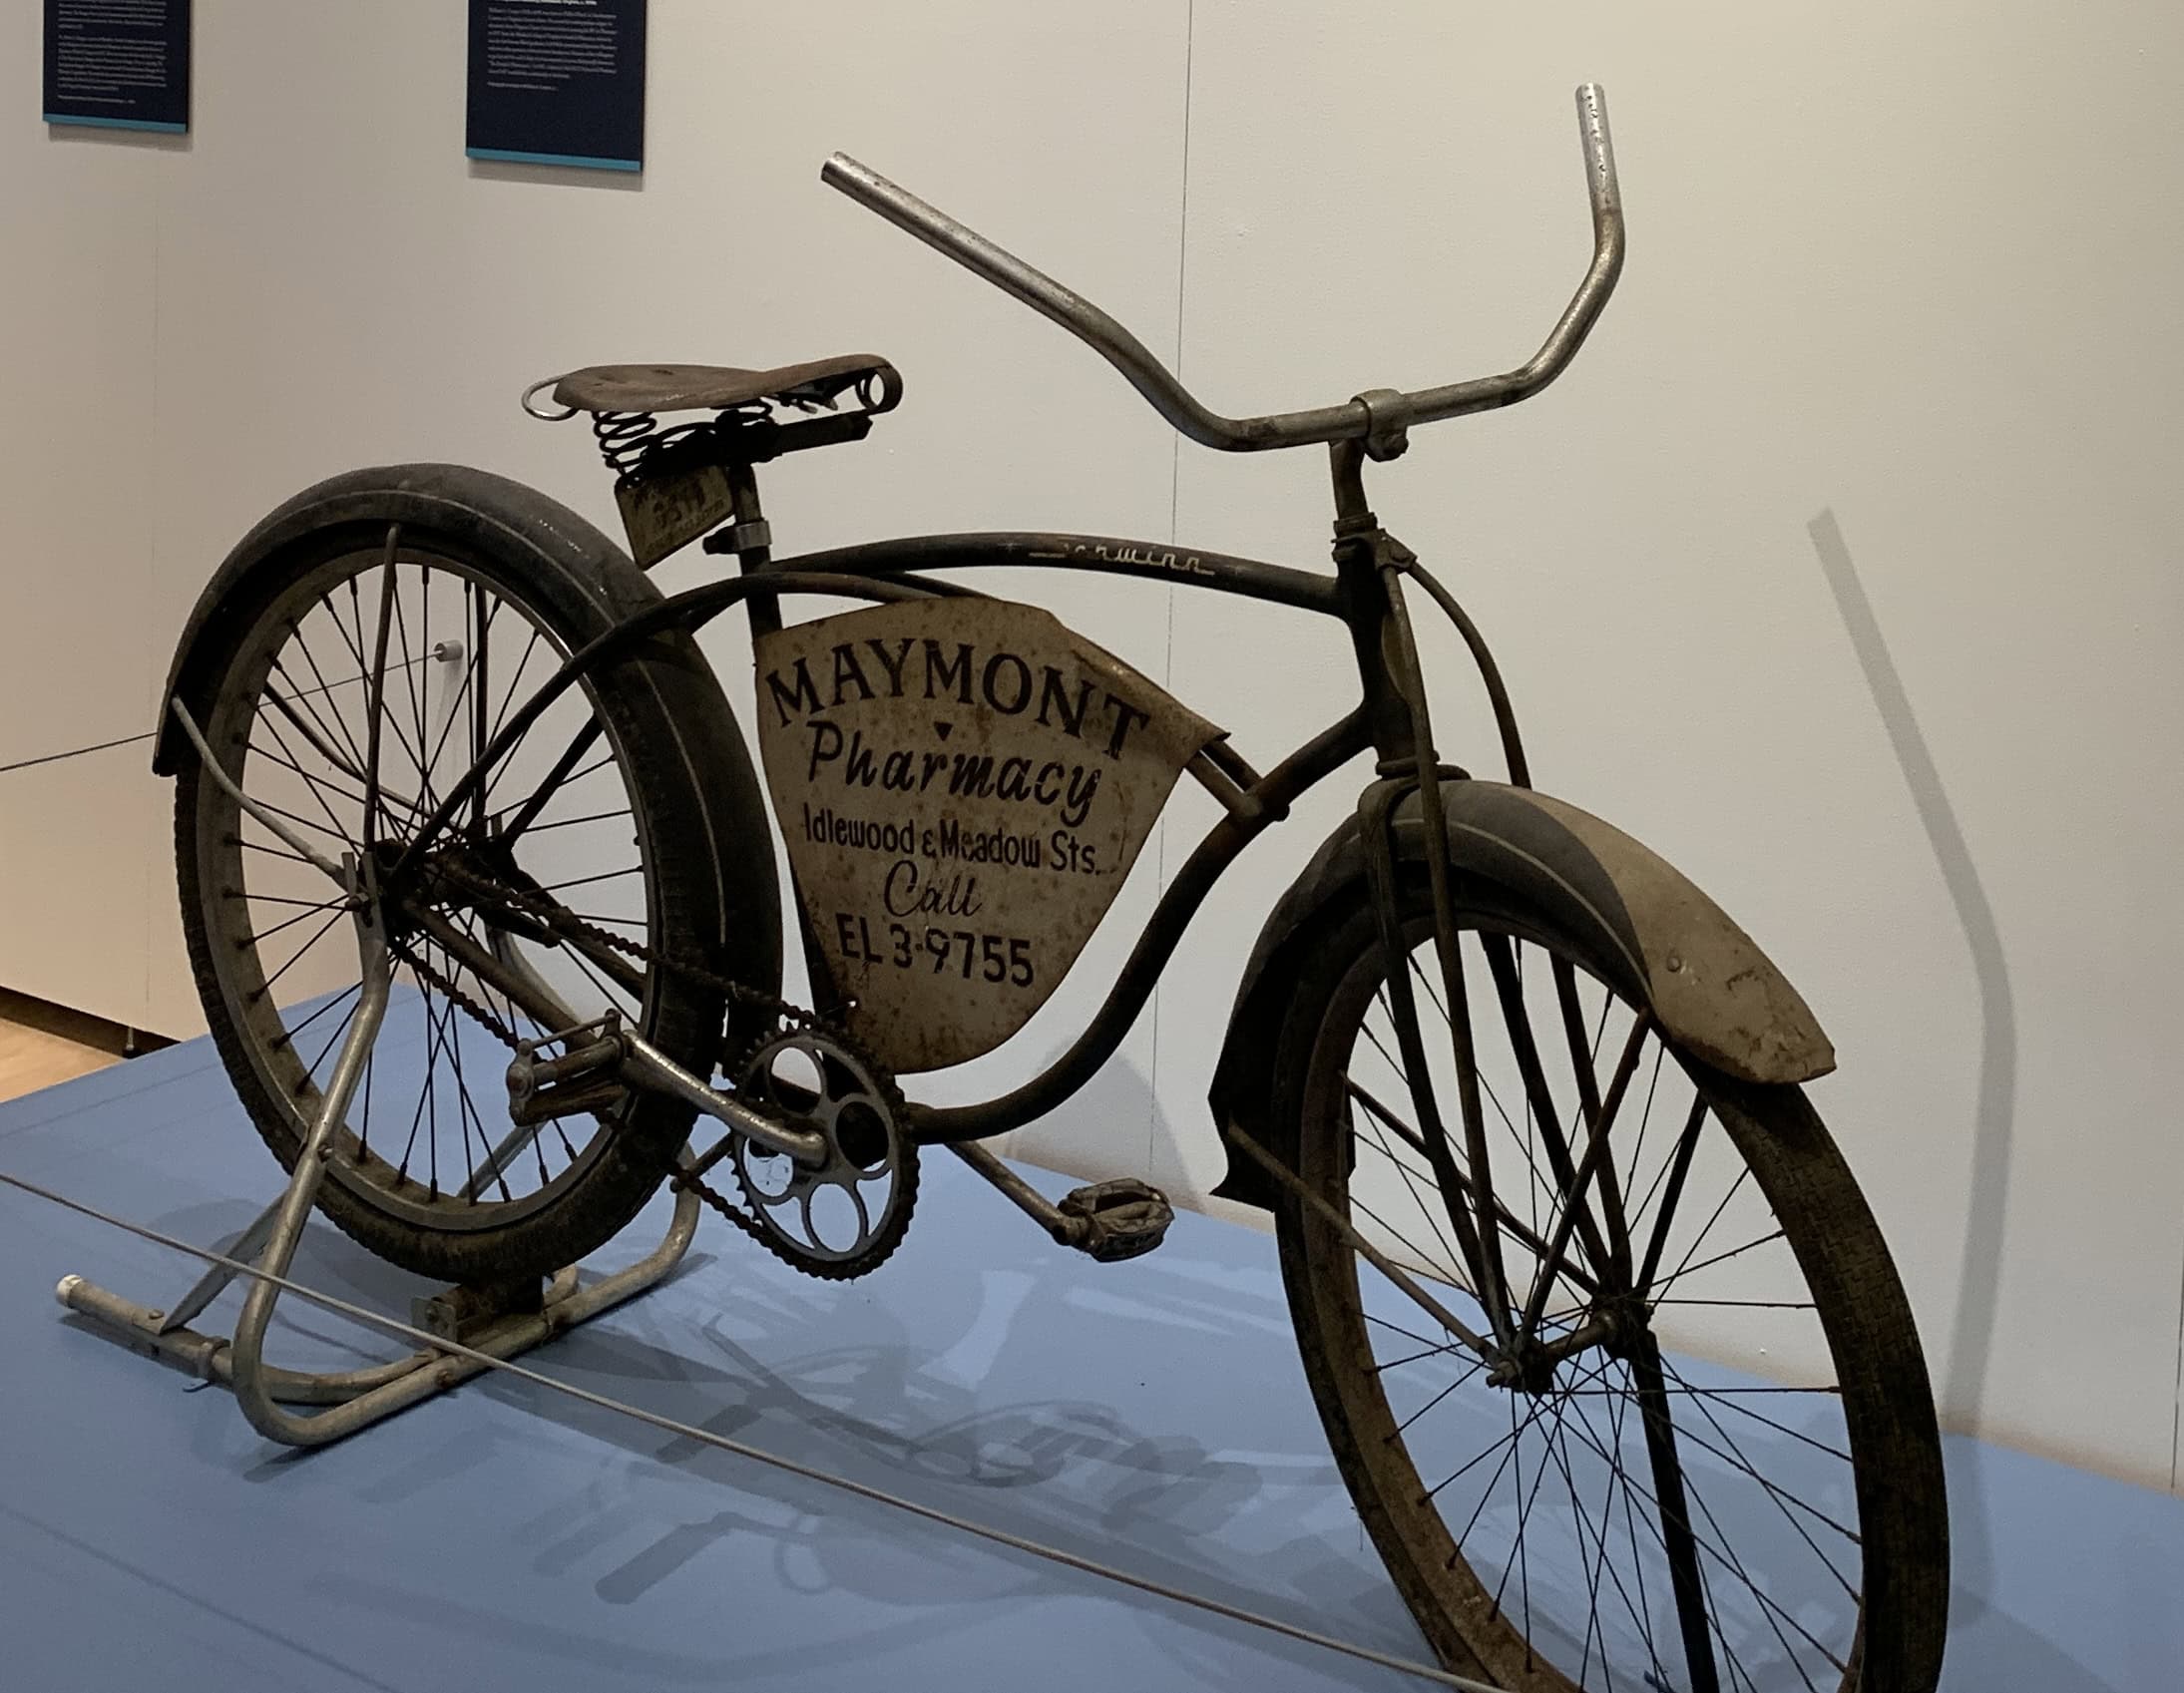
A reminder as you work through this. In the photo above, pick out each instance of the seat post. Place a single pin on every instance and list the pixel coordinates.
(751, 539)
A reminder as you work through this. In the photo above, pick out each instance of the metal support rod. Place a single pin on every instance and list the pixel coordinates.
(1547, 1120)
(1588, 1166)
(1372, 1254)
(79, 1296)
(1214, 776)
(226, 784)
(245, 1247)
(1448, 950)
(353, 1399)
(1678, 1540)
(247, 1351)
(373, 1394)
(1457, 1197)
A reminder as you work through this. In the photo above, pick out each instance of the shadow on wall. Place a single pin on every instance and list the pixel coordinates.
(1971, 1335)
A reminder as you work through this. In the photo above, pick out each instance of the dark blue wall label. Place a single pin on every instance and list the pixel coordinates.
(558, 82)
(121, 64)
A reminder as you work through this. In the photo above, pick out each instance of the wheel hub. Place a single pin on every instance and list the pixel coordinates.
(1530, 1367)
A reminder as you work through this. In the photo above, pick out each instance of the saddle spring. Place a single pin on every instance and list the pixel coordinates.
(630, 440)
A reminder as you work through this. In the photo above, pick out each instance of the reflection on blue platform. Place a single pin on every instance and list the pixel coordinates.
(1151, 1414)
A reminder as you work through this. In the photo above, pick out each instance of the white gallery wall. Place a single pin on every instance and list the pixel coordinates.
(1842, 569)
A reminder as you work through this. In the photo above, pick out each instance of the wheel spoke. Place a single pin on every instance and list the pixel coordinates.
(347, 686)
(288, 1036)
(1410, 1182)
(1582, 1062)
(553, 781)
(515, 679)
(376, 670)
(357, 765)
(316, 783)
(1744, 1174)
(571, 822)
(1722, 1257)
(1592, 1545)
(1678, 1169)
(310, 1071)
(586, 881)
(318, 935)
(1782, 1498)
(455, 707)
(1480, 1251)
(481, 669)
(466, 1112)
(1589, 1171)
(1470, 1373)
(303, 915)
(1509, 1222)
(1517, 1024)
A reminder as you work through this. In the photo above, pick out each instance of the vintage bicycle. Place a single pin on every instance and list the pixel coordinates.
(1607, 1346)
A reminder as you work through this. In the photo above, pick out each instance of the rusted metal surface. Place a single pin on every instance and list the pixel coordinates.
(713, 388)
(963, 784)
(1712, 987)
(663, 514)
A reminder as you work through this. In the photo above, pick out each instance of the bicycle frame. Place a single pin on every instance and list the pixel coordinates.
(1391, 718)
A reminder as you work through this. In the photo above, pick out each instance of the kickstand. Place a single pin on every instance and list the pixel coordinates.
(499, 1321)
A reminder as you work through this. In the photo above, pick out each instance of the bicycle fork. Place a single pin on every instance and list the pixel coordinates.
(1370, 565)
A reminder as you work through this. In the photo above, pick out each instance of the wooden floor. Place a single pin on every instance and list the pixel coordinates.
(31, 1058)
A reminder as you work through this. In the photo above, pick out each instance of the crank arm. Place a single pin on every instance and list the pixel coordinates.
(611, 1059)
(641, 1064)
(645, 1065)
(1066, 1230)
(1108, 1221)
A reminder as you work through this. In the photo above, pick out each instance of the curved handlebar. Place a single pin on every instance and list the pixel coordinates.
(1383, 417)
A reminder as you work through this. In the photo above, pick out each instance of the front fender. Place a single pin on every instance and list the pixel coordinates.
(1661, 943)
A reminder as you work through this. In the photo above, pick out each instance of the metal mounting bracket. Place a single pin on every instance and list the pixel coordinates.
(498, 1322)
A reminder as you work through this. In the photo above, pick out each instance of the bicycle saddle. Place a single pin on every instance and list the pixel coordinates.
(709, 387)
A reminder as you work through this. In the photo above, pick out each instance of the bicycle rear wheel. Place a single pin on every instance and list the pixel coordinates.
(1713, 1466)
(359, 668)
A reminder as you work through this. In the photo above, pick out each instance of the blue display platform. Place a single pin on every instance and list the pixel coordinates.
(1151, 1415)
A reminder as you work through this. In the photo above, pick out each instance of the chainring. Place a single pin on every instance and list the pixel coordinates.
(833, 1054)
(818, 1078)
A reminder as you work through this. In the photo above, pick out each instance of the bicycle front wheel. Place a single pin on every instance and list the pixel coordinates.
(1706, 1458)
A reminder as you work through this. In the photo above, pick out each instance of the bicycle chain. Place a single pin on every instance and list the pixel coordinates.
(563, 925)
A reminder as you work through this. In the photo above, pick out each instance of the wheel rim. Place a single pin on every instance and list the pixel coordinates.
(295, 727)
(1537, 1516)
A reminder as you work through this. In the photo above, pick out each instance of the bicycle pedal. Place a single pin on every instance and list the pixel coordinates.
(1127, 1219)
(582, 1079)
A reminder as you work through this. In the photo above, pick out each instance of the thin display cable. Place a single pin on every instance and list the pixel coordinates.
(706, 1437)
